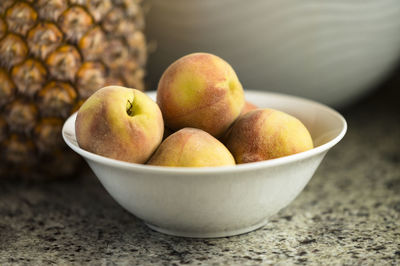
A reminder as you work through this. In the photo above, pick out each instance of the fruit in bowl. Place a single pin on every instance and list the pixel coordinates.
(120, 123)
(248, 106)
(218, 201)
(200, 90)
(201, 96)
(202, 193)
(191, 147)
(265, 134)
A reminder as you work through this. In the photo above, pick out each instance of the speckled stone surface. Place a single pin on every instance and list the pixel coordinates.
(348, 214)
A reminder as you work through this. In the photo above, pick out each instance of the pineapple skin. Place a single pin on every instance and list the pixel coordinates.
(53, 55)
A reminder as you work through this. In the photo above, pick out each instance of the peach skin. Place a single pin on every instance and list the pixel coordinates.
(191, 147)
(120, 123)
(264, 134)
(248, 106)
(200, 90)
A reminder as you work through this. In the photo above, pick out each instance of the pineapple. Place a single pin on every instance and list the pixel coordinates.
(53, 55)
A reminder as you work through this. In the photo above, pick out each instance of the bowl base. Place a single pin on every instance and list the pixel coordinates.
(216, 234)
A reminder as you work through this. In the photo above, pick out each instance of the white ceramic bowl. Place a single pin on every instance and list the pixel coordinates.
(218, 201)
(329, 51)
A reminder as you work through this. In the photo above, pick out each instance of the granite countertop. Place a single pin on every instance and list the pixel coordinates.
(348, 214)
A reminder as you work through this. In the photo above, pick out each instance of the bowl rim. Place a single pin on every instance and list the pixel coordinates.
(214, 170)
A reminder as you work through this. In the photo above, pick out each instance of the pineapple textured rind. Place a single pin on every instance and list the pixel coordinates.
(53, 55)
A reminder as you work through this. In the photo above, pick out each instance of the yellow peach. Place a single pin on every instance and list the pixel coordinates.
(248, 106)
(191, 147)
(264, 134)
(202, 91)
(120, 123)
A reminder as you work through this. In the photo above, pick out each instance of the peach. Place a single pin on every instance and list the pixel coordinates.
(202, 91)
(248, 106)
(264, 134)
(191, 147)
(120, 123)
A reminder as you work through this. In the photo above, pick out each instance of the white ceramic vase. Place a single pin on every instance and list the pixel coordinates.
(330, 51)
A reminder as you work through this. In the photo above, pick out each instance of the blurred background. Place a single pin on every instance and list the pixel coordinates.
(330, 51)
